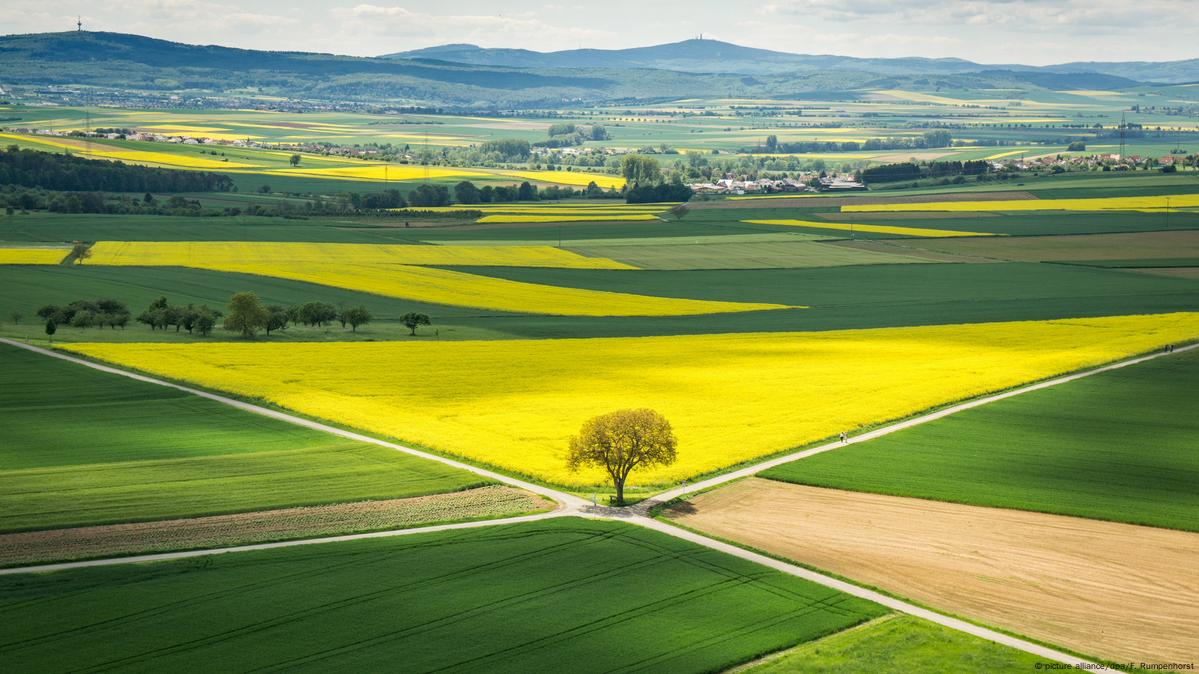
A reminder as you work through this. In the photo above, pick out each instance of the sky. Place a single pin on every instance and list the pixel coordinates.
(1034, 32)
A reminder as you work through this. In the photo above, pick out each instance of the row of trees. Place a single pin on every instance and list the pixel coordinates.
(14, 198)
(160, 315)
(467, 192)
(86, 314)
(569, 135)
(927, 169)
(247, 315)
(931, 139)
(31, 168)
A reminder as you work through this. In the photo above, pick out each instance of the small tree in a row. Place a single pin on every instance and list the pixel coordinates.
(160, 315)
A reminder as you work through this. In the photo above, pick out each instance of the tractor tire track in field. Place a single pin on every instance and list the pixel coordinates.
(638, 515)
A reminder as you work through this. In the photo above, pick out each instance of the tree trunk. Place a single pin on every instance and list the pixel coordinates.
(619, 492)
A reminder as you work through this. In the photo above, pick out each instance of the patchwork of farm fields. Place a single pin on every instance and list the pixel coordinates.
(1116, 446)
(757, 325)
(731, 398)
(84, 447)
(561, 594)
(393, 271)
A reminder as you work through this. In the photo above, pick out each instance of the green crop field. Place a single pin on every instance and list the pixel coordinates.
(752, 255)
(86, 447)
(893, 294)
(563, 595)
(1116, 446)
(898, 643)
(1153, 246)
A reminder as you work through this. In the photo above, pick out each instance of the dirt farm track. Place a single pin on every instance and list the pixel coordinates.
(1116, 591)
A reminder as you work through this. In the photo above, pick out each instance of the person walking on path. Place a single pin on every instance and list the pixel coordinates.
(844, 438)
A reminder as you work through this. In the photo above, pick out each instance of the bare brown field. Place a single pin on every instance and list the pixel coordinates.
(59, 545)
(821, 202)
(1116, 591)
(1070, 247)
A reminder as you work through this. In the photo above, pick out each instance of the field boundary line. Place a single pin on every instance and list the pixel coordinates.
(203, 552)
(669, 495)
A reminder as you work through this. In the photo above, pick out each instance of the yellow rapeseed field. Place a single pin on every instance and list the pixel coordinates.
(1151, 203)
(32, 255)
(205, 254)
(730, 398)
(599, 217)
(396, 172)
(392, 271)
(94, 149)
(578, 178)
(526, 208)
(875, 229)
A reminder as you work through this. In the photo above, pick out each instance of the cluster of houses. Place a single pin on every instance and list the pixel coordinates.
(809, 183)
(578, 151)
(1088, 162)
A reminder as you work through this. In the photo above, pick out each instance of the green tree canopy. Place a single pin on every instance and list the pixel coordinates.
(623, 440)
(246, 314)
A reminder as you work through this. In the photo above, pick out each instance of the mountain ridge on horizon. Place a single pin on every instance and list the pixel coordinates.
(155, 67)
(698, 55)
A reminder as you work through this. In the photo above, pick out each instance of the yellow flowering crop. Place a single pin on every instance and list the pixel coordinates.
(392, 271)
(566, 218)
(731, 398)
(93, 149)
(32, 255)
(875, 229)
(538, 209)
(381, 172)
(580, 178)
(206, 254)
(1151, 203)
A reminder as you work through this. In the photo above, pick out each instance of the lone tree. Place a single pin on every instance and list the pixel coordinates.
(294, 159)
(620, 441)
(412, 321)
(246, 314)
(80, 251)
(51, 328)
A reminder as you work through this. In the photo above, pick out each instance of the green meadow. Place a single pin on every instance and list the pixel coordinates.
(898, 643)
(84, 447)
(561, 595)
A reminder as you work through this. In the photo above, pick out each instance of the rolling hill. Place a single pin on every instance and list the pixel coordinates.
(462, 76)
(714, 56)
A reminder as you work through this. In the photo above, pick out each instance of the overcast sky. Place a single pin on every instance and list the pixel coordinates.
(989, 31)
